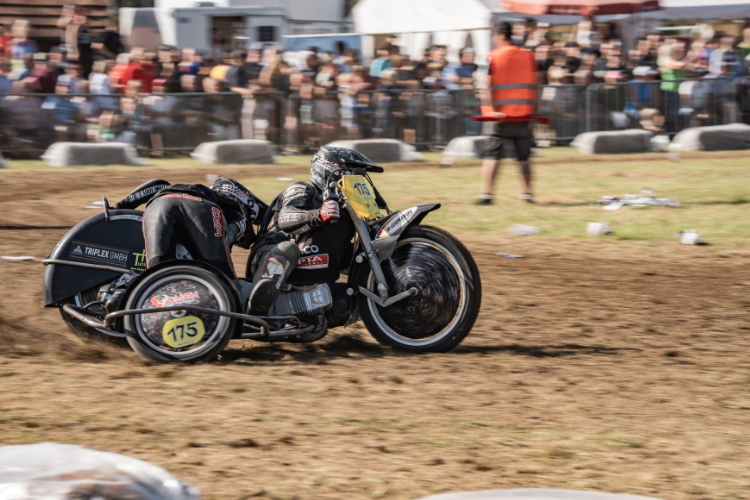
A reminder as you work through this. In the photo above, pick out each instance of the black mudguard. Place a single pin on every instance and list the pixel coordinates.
(118, 242)
(386, 234)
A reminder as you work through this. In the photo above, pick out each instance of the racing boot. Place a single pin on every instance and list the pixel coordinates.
(263, 297)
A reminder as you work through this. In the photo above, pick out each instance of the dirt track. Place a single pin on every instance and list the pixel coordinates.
(623, 369)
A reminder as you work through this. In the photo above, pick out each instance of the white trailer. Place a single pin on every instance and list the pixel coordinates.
(209, 29)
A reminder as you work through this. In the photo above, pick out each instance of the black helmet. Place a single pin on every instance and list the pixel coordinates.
(330, 163)
(249, 204)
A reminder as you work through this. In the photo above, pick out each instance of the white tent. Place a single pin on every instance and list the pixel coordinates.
(417, 23)
(678, 10)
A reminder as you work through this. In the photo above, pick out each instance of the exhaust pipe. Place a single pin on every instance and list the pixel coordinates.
(83, 317)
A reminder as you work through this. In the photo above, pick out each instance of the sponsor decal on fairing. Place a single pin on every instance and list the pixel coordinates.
(398, 221)
(99, 253)
(172, 300)
(140, 261)
(313, 262)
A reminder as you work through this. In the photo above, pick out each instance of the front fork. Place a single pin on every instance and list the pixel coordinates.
(364, 236)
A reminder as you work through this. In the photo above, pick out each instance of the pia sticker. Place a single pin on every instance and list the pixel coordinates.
(182, 332)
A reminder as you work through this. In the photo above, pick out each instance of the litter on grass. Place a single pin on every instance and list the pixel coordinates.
(523, 230)
(690, 237)
(645, 199)
(284, 179)
(20, 258)
(598, 228)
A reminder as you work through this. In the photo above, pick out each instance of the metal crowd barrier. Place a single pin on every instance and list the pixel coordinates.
(161, 124)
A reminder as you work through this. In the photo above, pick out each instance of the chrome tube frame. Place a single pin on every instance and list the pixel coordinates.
(131, 312)
(364, 236)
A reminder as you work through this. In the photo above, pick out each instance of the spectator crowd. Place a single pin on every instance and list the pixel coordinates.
(90, 87)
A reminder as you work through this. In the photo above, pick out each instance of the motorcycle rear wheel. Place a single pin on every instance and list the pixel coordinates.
(449, 293)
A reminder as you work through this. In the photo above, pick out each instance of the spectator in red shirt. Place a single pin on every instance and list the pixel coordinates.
(137, 69)
(117, 71)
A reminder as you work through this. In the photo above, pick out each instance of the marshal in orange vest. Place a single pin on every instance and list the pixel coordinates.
(513, 79)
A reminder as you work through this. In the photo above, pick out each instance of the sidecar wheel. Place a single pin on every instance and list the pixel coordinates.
(180, 336)
(449, 293)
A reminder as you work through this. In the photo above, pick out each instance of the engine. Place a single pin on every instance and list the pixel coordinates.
(307, 303)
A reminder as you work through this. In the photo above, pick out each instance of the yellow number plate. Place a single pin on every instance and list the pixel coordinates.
(182, 332)
(361, 195)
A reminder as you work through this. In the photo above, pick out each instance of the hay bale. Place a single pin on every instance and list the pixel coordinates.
(713, 138)
(236, 151)
(381, 150)
(614, 142)
(533, 494)
(75, 154)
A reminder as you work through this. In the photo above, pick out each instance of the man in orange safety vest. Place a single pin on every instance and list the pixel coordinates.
(511, 98)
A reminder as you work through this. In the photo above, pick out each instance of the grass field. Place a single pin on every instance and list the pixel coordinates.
(713, 193)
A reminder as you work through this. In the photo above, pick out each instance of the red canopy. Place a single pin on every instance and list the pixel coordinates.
(580, 7)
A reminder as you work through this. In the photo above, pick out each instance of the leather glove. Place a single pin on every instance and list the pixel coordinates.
(329, 210)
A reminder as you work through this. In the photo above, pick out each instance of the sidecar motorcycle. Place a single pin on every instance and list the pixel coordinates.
(415, 287)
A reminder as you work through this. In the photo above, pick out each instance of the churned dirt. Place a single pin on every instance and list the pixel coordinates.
(612, 367)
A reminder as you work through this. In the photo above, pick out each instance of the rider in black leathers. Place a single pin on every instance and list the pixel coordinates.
(207, 220)
(298, 235)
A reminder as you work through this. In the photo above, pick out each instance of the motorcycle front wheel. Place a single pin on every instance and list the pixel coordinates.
(449, 293)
